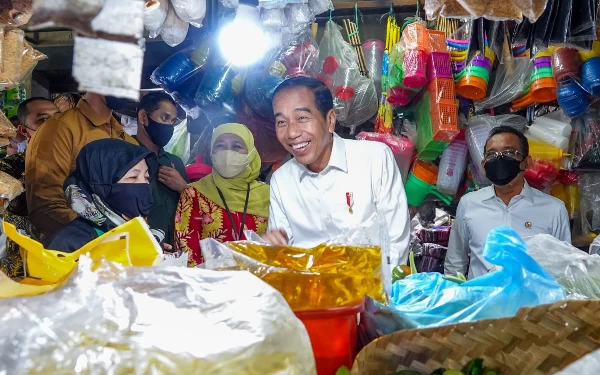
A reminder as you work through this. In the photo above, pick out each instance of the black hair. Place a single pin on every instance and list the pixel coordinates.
(151, 102)
(524, 143)
(23, 110)
(323, 98)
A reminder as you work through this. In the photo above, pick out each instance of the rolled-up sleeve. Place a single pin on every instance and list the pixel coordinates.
(47, 165)
(393, 206)
(277, 218)
(457, 256)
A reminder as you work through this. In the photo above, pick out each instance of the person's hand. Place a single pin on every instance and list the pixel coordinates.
(167, 247)
(171, 179)
(276, 237)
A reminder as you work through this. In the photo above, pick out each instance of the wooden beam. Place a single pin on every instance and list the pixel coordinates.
(366, 4)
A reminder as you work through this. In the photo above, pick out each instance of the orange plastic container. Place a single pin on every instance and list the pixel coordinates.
(472, 87)
(333, 334)
(441, 90)
(425, 171)
(444, 121)
(415, 36)
(543, 90)
(438, 41)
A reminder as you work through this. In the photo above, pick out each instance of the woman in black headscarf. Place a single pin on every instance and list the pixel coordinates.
(110, 185)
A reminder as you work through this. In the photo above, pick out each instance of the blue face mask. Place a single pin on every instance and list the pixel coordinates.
(131, 200)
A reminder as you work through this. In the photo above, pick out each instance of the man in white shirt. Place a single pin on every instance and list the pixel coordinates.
(332, 184)
(509, 202)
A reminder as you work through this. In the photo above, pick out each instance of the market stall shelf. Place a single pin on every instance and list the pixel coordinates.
(538, 340)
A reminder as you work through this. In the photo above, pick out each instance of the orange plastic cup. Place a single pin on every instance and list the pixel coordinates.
(472, 87)
(543, 90)
(523, 102)
(333, 334)
(425, 171)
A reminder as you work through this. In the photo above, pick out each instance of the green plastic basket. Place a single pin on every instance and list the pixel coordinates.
(427, 147)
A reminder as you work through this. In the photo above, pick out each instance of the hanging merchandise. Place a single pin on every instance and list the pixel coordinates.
(402, 148)
(155, 14)
(453, 164)
(258, 91)
(75, 14)
(15, 13)
(589, 190)
(7, 130)
(586, 153)
(192, 11)
(572, 98)
(319, 6)
(551, 129)
(11, 56)
(511, 79)
(421, 182)
(590, 74)
(542, 83)
(273, 17)
(493, 10)
(174, 30)
(182, 65)
(298, 56)
(298, 16)
(374, 49)
(110, 19)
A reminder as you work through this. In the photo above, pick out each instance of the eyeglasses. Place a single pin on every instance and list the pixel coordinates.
(491, 155)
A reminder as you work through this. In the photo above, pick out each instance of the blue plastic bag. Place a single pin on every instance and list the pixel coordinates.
(429, 300)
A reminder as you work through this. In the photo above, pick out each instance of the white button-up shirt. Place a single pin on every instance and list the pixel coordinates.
(529, 213)
(312, 207)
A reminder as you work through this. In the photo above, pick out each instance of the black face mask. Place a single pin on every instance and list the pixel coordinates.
(131, 200)
(160, 134)
(116, 104)
(502, 170)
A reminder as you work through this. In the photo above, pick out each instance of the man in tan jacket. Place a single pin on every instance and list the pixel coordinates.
(51, 158)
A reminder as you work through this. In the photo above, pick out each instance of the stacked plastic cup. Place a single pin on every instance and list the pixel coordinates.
(590, 73)
(572, 98)
(477, 136)
(452, 167)
(473, 80)
(418, 47)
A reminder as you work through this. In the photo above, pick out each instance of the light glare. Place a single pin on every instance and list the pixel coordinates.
(242, 42)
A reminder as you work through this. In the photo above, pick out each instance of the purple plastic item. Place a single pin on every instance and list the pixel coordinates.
(482, 64)
(545, 59)
(542, 64)
(439, 65)
(458, 66)
(478, 60)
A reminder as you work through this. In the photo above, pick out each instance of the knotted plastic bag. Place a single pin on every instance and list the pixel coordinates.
(430, 300)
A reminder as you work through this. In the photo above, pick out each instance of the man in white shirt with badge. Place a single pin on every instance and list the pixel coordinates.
(509, 202)
(332, 184)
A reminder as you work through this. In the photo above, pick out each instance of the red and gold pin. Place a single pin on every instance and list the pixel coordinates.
(350, 201)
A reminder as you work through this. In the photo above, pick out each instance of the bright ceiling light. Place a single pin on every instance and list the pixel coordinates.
(243, 41)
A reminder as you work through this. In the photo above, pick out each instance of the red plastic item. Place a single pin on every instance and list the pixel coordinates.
(198, 170)
(330, 65)
(398, 97)
(333, 334)
(344, 92)
(415, 68)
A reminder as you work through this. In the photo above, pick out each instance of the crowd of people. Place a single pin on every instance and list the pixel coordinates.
(84, 175)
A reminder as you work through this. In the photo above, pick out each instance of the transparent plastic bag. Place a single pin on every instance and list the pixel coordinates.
(319, 6)
(15, 12)
(215, 91)
(430, 300)
(490, 9)
(12, 57)
(179, 145)
(174, 30)
(181, 66)
(274, 17)
(586, 153)
(363, 106)
(107, 67)
(155, 14)
(589, 200)
(576, 271)
(402, 148)
(511, 79)
(117, 319)
(10, 188)
(532, 9)
(31, 57)
(192, 11)
(298, 16)
(76, 14)
(123, 18)
(298, 55)
(258, 91)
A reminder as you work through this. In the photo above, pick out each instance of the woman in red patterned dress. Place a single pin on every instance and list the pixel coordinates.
(218, 204)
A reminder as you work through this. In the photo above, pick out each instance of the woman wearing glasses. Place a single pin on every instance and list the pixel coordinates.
(510, 202)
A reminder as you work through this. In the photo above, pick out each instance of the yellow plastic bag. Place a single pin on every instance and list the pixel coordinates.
(129, 244)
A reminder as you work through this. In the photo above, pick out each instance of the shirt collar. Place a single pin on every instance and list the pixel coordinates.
(336, 160)
(527, 192)
(90, 114)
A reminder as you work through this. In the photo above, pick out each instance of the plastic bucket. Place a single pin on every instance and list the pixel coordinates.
(415, 69)
(571, 98)
(590, 73)
(565, 62)
(333, 335)
(472, 87)
(543, 90)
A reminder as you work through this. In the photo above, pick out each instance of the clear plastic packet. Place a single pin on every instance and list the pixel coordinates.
(319, 6)
(94, 313)
(258, 91)
(155, 14)
(299, 55)
(10, 188)
(363, 106)
(586, 152)
(511, 79)
(15, 12)
(192, 11)
(215, 92)
(575, 270)
(298, 16)
(532, 9)
(31, 57)
(273, 17)
(490, 9)
(402, 148)
(12, 57)
(76, 14)
(589, 203)
(108, 67)
(110, 19)
(174, 30)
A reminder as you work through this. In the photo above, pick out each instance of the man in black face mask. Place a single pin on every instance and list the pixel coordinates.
(157, 117)
(509, 202)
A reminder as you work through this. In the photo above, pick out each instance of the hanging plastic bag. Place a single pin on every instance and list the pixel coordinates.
(179, 145)
(12, 57)
(298, 16)
(272, 17)
(298, 55)
(107, 67)
(179, 67)
(192, 11)
(492, 10)
(155, 14)
(511, 79)
(95, 313)
(363, 105)
(75, 14)
(577, 271)
(174, 30)
(589, 194)
(319, 6)
(258, 91)
(429, 300)
(15, 12)
(31, 57)
(586, 154)
(110, 19)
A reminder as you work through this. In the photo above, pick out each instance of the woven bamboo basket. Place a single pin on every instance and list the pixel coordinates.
(539, 340)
